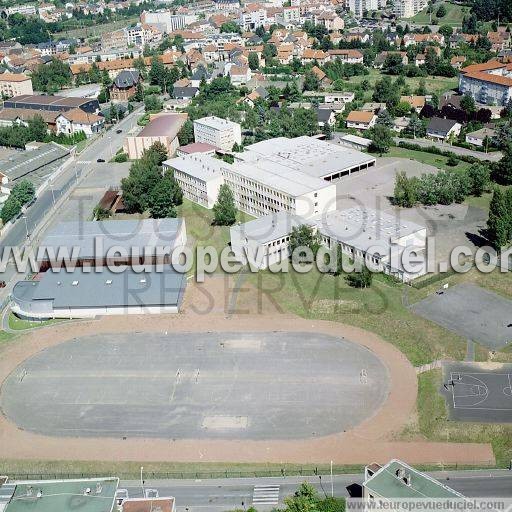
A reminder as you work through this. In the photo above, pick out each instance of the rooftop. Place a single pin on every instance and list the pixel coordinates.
(365, 228)
(40, 99)
(202, 167)
(149, 505)
(197, 147)
(89, 288)
(113, 233)
(269, 227)
(390, 482)
(34, 162)
(164, 125)
(215, 122)
(306, 155)
(90, 495)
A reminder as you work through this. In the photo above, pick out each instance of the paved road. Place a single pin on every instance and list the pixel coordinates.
(493, 157)
(85, 163)
(221, 495)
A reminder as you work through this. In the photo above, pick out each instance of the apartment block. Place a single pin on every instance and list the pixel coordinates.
(15, 84)
(217, 132)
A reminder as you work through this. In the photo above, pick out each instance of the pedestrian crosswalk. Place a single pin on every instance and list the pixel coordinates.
(265, 495)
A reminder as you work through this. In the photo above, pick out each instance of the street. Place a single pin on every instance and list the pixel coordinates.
(266, 493)
(85, 164)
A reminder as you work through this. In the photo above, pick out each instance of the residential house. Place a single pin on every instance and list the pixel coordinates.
(416, 102)
(325, 116)
(15, 84)
(442, 129)
(347, 56)
(124, 85)
(76, 121)
(361, 120)
(480, 137)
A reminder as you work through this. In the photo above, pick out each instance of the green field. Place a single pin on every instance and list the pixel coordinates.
(437, 84)
(453, 17)
(425, 158)
(18, 324)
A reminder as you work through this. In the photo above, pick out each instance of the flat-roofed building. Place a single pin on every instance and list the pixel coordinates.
(94, 495)
(162, 128)
(310, 156)
(376, 238)
(218, 132)
(95, 242)
(280, 174)
(265, 241)
(87, 293)
(15, 84)
(199, 176)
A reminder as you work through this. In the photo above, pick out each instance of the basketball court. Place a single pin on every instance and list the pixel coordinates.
(474, 393)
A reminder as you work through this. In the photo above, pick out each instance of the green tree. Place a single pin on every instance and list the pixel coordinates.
(253, 61)
(311, 82)
(139, 183)
(384, 118)
(51, 77)
(10, 209)
(38, 129)
(224, 210)
(162, 201)
(152, 103)
(498, 224)
(381, 138)
(360, 279)
(479, 177)
(24, 191)
(467, 103)
(441, 11)
(405, 192)
(186, 134)
(303, 236)
(504, 166)
(230, 27)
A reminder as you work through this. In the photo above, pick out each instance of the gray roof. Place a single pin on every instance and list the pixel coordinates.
(36, 161)
(126, 79)
(87, 288)
(185, 92)
(323, 114)
(202, 167)
(112, 233)
(440, 125)
(270, 227)
(307, 155)
(365, 228)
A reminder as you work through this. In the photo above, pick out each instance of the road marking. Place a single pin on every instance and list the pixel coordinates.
(265, 495)
(84, 162)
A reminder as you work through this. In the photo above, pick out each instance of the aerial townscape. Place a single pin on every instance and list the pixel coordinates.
(255, 255)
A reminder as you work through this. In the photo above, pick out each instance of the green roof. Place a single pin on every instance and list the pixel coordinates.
(387, 484)
(88, 495)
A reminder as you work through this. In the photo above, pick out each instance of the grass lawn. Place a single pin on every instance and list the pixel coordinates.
(199, 225)
(425, 158)
(453, 17)
(96, 30)
(131, 470)
(438, 84)
(433, 423)
(18, 324)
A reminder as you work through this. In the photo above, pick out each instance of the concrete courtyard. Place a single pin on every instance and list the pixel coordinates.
(451, 225)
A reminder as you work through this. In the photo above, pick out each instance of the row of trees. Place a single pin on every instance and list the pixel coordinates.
(21, 194)
(148, 188)
(444, 187)
(16, 136)
(51, 77)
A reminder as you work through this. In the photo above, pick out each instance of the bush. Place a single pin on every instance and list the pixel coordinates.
(121, 157)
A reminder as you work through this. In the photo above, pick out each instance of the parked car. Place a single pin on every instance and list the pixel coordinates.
(100, 160)
(119, 131)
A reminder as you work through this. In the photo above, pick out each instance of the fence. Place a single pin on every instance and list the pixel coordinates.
(306, 471)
